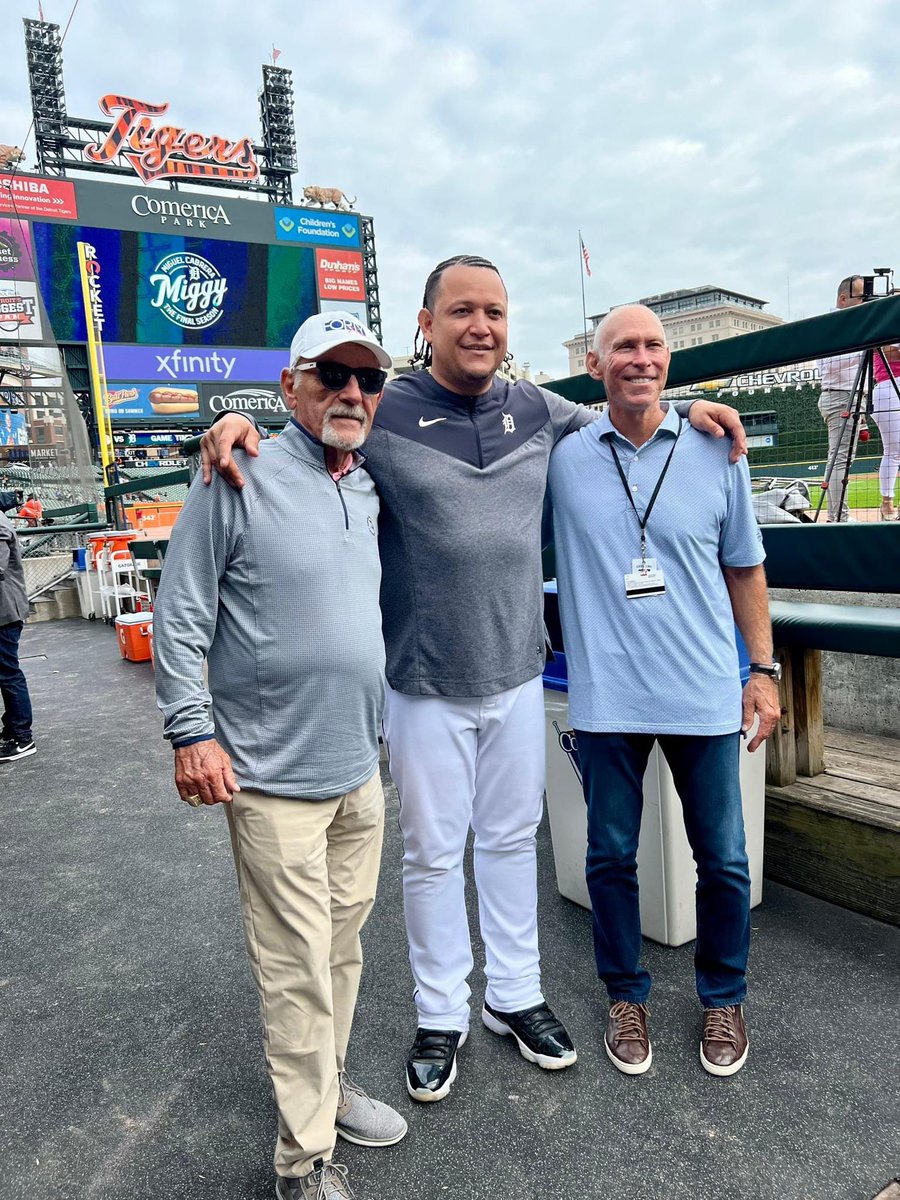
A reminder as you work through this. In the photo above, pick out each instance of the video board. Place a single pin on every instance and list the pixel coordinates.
(172, 290)
(199, 293)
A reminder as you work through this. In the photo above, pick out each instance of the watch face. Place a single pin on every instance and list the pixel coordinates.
(773, 671)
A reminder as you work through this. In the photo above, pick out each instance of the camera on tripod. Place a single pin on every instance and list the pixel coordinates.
(883, 277)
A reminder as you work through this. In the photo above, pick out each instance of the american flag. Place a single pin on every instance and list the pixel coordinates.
(587, 258)
(276, 54)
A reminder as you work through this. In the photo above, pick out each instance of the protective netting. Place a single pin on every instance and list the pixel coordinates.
(45, 458)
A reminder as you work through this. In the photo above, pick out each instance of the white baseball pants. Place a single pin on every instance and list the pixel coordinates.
(459, 763)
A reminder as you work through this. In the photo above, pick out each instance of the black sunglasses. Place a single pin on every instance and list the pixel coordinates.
(335, 375)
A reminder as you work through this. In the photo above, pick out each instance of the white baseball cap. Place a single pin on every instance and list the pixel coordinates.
(327, 330)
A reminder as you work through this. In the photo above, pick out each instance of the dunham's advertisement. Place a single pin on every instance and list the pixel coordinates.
(340, 275)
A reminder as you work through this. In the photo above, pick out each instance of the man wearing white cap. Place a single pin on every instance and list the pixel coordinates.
(277, 587)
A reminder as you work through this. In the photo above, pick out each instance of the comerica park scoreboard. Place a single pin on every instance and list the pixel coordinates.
(204, 266)
(200, 294)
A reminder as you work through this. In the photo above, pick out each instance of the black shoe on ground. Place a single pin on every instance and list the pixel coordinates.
(431, 1064)
(11, 749)
(541, 1036)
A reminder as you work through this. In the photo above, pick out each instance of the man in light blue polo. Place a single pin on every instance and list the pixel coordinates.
(658, 556)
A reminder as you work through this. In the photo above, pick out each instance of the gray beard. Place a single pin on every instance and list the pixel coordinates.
(331, 437)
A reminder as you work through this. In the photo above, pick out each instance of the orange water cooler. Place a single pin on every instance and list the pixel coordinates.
(134, 631)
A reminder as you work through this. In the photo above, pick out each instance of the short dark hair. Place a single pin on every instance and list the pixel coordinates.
(421, 357)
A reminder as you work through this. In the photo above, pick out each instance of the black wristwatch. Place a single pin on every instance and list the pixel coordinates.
(772, 669)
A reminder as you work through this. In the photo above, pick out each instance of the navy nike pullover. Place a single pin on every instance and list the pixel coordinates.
(462, 481)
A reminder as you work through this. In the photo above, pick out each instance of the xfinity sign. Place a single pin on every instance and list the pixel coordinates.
(178, 365)
(190, 364)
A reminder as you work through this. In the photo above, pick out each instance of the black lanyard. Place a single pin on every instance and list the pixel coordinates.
(642, 522)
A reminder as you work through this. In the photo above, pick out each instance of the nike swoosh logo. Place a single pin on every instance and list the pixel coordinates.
(423, 424)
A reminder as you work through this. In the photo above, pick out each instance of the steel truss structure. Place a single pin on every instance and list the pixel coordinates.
(279, 148)
(370, 272)
(61, 140)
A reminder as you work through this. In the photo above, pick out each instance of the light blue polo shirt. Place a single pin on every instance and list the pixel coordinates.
(658, 664)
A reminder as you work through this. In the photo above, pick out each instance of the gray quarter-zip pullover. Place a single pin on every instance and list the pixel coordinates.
(277, 584)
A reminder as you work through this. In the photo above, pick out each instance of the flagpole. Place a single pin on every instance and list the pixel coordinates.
(581, 272)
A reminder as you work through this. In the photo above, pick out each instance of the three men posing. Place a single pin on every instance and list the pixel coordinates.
(460, 461)
(460, 458)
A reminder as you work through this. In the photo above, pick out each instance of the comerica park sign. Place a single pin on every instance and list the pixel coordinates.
(168, 151)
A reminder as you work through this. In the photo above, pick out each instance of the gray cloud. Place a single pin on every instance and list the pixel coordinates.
(694, 142)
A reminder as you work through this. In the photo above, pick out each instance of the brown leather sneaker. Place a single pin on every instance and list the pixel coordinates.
(723, 1050)
(627, 1041)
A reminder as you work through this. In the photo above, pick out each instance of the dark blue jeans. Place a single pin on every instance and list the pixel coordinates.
(705, 771)
(13, 687)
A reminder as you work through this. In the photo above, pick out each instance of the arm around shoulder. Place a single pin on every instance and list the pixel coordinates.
(565, 415)
(715, 419)
(229, 431)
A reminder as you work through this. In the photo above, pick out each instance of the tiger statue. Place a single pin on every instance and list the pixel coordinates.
(323, 196)
(11, 156)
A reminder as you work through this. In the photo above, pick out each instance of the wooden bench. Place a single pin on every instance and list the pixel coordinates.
(846, 558)
(832, 828)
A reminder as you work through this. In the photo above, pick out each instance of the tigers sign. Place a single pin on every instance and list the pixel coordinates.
(168, 151)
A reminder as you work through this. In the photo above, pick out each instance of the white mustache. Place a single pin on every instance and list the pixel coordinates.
(354, 412)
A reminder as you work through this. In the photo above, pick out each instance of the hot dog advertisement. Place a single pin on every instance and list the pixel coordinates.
(153, 402)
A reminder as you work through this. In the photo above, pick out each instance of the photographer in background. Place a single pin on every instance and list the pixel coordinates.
(837, 377)
(15, 732)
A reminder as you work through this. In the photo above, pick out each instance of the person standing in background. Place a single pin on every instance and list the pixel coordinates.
(886, 411)
(16, 740)
(837, 376)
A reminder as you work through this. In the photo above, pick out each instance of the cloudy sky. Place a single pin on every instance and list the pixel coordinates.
(754, 144)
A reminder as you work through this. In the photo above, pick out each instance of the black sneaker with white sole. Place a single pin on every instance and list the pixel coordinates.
(431, 1063)
(541, 1036)
(12, 748)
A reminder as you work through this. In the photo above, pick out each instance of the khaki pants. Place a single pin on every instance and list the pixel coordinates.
(840, 432)
(307, 871)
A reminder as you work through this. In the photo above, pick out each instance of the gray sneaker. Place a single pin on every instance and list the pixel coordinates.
(365, 1121)
(326, 1181)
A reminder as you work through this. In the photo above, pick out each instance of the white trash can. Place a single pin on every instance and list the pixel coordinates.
(666, 873)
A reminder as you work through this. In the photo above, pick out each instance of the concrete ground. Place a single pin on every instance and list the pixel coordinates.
(132, 1056)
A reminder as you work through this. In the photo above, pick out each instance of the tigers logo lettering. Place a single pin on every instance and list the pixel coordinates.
(167, 151)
